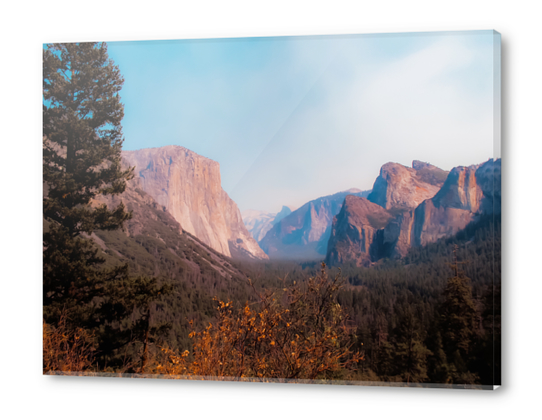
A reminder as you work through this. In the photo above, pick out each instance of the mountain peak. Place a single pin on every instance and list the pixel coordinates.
(418, 164)
(402, 187)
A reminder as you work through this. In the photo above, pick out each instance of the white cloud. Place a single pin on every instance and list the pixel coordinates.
(433, 104)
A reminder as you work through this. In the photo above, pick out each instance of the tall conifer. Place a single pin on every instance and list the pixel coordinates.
(82, 140)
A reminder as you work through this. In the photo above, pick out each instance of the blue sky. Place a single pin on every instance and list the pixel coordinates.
(290, 119)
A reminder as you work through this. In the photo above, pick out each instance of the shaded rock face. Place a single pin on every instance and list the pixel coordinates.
(304, 233)
(396, 237)
(189, 187)
(258, 223)
(460, 191)
(400, 187)
(354, 231)
(488, 177)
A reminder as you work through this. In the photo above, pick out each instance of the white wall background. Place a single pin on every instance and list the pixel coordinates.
(24, 27)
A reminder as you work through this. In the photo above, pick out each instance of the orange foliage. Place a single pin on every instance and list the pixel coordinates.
(66, 350)
(299, 333)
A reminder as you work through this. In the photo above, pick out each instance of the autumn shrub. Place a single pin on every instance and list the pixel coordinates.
(66, 350)
(299, 332)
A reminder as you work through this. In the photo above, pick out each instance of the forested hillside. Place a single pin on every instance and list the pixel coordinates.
(397, 308)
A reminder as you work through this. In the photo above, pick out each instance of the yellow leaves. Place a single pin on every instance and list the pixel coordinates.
(302, 335)
(66, 350)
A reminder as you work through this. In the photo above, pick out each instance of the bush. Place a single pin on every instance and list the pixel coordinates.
(300, 332)
(66, 350)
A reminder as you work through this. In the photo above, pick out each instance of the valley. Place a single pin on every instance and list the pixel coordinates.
(394, 246)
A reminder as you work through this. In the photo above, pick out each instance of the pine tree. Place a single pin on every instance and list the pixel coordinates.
(410, 351)
(458, 324)
(82, 140)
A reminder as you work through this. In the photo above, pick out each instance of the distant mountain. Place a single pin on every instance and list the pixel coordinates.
(258, 223)
(304, 233)
(465, 195)
(285, 211)
(189, 187)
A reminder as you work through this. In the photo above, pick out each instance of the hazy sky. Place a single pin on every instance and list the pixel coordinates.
(292, 119)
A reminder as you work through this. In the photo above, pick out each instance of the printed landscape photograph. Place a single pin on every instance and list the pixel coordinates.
(306, 209)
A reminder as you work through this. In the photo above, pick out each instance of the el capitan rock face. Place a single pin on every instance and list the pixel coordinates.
(304, 233)
(189, 187)
(400, 187)
(354, 231)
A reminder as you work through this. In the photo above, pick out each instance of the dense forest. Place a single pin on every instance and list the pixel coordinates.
(127, 291)
(405, 311)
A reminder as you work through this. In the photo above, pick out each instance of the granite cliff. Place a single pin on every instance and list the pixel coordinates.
(400, 187)
(354, 232)
(466, 194)
(189, 187)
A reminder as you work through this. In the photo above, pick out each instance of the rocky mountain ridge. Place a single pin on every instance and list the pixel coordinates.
(466, 194)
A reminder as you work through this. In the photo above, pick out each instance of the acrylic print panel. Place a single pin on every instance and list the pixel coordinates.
(317, 209)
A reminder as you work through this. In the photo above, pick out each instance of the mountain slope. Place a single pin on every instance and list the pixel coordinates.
(189, 187)
(153, 244)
